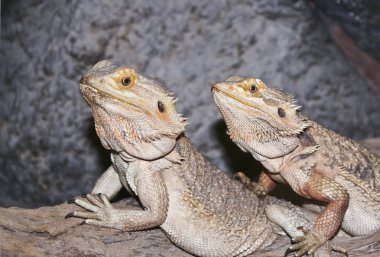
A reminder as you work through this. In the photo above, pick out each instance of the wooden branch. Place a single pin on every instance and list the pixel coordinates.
(367, 65)
(45, 232)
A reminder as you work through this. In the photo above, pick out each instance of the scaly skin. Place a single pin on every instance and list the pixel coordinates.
(199, 207)
(315, 162)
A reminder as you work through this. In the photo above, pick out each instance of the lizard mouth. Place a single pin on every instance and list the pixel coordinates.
(219, 88)
(88, 90)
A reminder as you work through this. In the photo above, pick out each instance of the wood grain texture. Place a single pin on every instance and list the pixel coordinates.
(45, 232)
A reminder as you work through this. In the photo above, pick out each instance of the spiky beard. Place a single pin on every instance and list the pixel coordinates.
(249, 129)
(256, 135)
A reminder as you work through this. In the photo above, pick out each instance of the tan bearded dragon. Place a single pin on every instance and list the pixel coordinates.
(200, 208)
(315, 162)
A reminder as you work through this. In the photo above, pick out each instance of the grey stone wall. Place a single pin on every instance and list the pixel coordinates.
(49, 151)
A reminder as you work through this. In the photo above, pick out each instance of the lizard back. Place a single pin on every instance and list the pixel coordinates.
(340, 151)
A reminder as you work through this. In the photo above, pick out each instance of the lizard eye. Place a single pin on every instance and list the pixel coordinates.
(161, 106)
(126, 81)
(252, 88)
(281, 112)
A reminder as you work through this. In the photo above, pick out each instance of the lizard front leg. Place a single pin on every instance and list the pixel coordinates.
(260, 188)
(326, 225)
(295, 221)
(152, 193)
(108, 184)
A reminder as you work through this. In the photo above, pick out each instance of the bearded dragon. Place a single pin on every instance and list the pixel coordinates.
(315, 162)
(200, 208)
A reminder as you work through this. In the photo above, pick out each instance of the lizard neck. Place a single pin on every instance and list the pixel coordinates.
(257, 136)
(164, 161)
(263, 141)
(123, 136)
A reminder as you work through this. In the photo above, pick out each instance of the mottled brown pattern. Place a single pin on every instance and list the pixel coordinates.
(326, 190)
(339, 151)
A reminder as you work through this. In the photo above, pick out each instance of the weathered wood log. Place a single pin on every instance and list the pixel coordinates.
(45, 232)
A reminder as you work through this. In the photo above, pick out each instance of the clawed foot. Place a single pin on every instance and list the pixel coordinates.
(309, 244)
(100, 211)
(257, 188)
(246, 181)
(306, 244)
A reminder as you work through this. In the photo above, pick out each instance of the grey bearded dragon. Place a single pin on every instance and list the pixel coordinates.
(198, 207)
(315, 162)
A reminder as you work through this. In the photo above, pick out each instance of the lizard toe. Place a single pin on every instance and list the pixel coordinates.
(307, 244)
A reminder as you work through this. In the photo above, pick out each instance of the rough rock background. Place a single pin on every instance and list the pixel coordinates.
(360, 19)
(49, 151)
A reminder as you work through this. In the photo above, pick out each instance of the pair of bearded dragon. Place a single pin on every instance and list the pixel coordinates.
(200, 208)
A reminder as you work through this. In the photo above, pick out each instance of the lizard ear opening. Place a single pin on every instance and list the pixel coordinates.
(161, 106)
(281, 112)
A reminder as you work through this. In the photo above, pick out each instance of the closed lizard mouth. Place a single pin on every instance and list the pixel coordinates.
(92, 90)
(216, 89)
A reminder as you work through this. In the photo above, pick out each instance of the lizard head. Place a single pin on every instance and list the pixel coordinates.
(255, 112)
(133, 114)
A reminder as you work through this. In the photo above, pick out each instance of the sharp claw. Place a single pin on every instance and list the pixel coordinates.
(99, 195)
(339, 249)
(70, 215)
(70, 201)
(73, 199)
(289, 250)
(300, 252)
